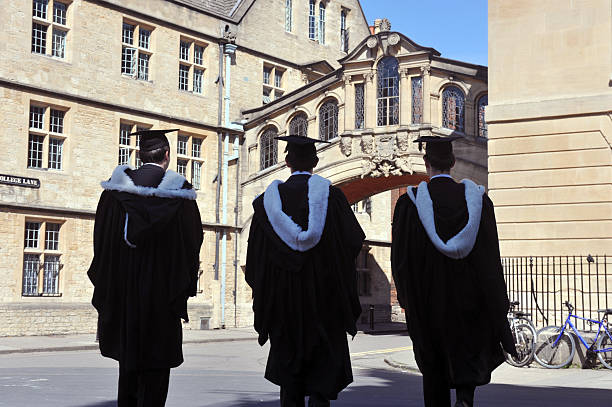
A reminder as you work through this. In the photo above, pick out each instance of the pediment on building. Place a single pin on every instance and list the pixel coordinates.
(385, 43)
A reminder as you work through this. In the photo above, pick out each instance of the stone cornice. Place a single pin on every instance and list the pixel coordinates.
(543, 109)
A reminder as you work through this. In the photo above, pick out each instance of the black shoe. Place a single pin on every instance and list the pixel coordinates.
(461, 403)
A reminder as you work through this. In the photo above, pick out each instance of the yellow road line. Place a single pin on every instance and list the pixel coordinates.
(379, 351)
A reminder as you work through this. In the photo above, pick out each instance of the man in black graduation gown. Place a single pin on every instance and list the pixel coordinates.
(303, 242)
(147, 238)
(448, 274)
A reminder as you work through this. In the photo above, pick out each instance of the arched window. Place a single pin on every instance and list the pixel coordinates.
(482, 124)
(268, 148)
(321, 23)
(299, 125)
(453, 109)
(388, 92)
(328, 120)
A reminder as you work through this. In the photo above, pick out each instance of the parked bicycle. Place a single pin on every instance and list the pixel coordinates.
(524, 334)
(555, 347)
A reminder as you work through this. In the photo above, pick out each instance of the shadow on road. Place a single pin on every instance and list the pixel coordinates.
(386, 388)
(111, 403)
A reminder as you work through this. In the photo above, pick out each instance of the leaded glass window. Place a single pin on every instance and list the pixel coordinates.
(417, 99)
(51, 275)
(268, 148)
(59, 13)
(58, 43)
(453, 109)
(198, 54)
(196, 174)
(267, 71)
(143, 67)
(39, 38)
(288, 15)
(57, 121)
(197, 80)
(31, 266)
(359, 106)
(388, 92)
(35, 151)
(321, 23)
(184, 54)
(144, 38)
(32, 234)
(56, 147)
(181, 145)
(128, 61)
(181, 167)
(183, 77)
(52, 236)
(328, 120)
(312, 21)
(196, 147)
(482, 124)
(128, 34)
(299, 125)
(37, 115)
(39, 9)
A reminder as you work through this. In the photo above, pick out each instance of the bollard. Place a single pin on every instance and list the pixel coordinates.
(371, 317)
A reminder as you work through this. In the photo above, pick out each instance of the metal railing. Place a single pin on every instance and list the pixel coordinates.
(542, 284)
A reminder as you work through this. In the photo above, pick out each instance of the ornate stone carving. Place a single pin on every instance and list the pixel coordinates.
(346, 79)
(369, 76)
(385, 25)
(304, 77)
(372, 42)
(384, 155)
(229, 34)
(403, 72)
(394, 39)
(426, 70)
(367, 144)
(346, 145)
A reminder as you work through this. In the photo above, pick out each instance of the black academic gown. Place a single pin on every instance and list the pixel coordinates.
(306, 302)
(455, 309)
(144, 273)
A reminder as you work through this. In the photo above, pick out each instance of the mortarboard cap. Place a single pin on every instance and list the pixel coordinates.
(301, 146)
(152, 139)
(437, 145)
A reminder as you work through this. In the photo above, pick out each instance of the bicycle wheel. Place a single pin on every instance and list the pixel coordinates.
(604, 350)
(524, 339)
(550, 355)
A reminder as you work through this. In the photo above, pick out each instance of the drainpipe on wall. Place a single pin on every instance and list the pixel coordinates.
(219, 162)
(230, 49)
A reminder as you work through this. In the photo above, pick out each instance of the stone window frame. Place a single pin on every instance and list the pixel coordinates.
(140, 51)
(189, 162)
(270, 89)
(47, 124)
(321, 24)
(482, 101)
(312, 20)
(360, 105)
(453, 97)
(417, 97)
(50, 26)
(328, 126)
(192, 64)
(33, 282)
(129, 146)
(268, 147)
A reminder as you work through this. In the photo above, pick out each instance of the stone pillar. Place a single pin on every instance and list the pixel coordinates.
(370, 100)
(405, 98)
(425, 71)
(349, 105)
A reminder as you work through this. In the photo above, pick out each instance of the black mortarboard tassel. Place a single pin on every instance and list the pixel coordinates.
(301, 146)
(440, 146)
(152, 139)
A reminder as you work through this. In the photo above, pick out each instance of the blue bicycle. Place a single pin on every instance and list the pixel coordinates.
(555, 347)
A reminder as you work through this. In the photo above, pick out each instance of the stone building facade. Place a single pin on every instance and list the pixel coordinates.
(550, 127)
(77, 76)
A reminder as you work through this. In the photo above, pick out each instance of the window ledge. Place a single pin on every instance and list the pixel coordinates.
(41, 295)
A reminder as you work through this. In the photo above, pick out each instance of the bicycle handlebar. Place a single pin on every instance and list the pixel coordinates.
(569, 306)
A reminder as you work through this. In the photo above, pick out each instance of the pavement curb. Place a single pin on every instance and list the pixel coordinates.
(403, 366)
(96, 346)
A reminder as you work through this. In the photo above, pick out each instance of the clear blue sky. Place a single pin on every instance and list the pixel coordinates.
(456, 28)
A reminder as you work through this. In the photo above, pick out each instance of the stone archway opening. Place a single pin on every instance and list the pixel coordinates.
(362, 188)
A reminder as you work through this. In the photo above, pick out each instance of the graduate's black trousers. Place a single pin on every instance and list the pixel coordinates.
(292, 399)
(143, 388)
(436, 392)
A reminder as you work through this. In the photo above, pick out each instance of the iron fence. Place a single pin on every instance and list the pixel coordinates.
(543, 284)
